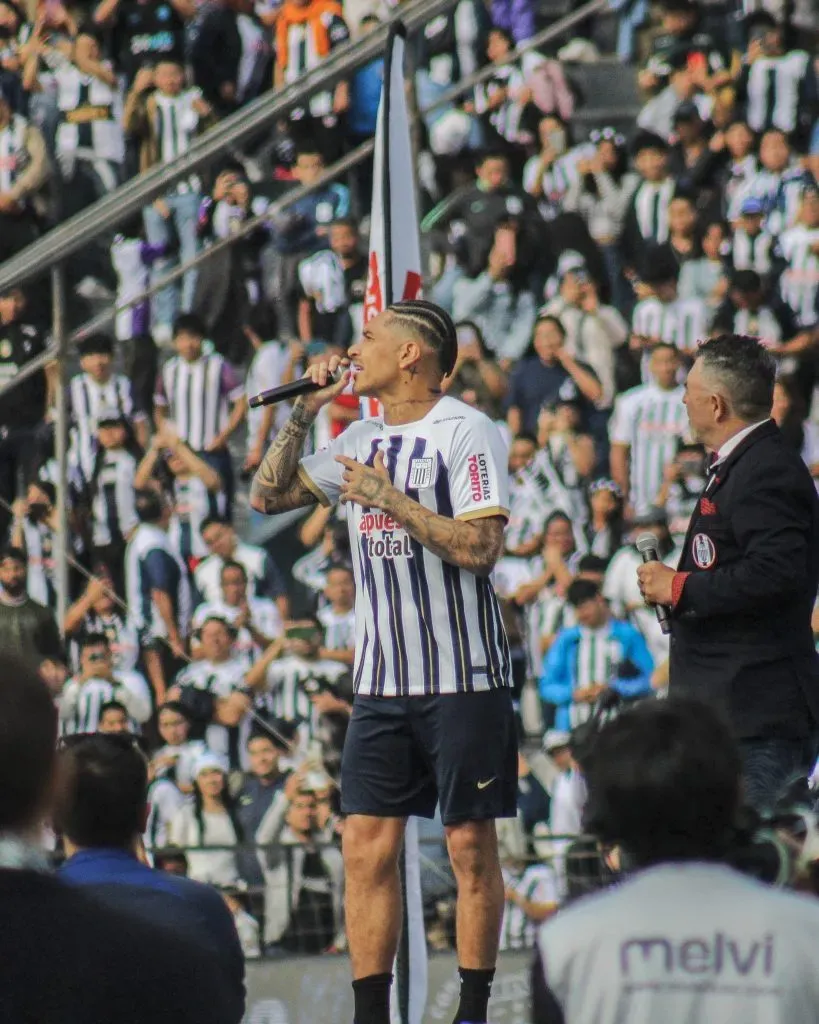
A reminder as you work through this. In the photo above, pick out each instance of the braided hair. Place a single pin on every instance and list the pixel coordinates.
(433, 325)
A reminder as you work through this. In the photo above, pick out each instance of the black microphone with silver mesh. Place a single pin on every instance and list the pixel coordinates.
(302, 386)
(646, 544)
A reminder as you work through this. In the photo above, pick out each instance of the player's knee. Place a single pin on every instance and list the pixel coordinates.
(473, 851)
(371, 847)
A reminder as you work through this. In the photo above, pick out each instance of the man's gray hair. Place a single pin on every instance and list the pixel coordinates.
(745, 372)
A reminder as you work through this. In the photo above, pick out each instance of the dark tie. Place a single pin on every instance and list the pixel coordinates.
(655, 215)
(770, 96)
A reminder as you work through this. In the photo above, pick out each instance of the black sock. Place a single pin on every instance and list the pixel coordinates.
(475, 988)
(372, 999)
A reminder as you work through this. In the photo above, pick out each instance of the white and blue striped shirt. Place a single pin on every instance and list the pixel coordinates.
(423, 626)
(152, 564)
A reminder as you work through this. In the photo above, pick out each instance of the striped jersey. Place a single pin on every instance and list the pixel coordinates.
(220, 679)
(43, 556)
(423, 626)
(752, 252)
(81, 702)
(164, 802)
(122, 637)
(193, 503)
(799, 282)
(339, 628)
(151, 564)
(597, 656)
(537, 884)
(651, 201)
(264, 616)
(683, 322)
(112, 496)
(86, 399)
(652, 422)
(89, 119)
(774, 89)
(197, 396)
(286, 697)
(263, 578)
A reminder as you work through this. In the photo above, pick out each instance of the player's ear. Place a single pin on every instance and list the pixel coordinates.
(409, 355)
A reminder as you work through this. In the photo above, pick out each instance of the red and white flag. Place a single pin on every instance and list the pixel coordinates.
(395, 274)
(395, 245)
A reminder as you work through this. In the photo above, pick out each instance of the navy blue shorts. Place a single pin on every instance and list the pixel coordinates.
(403, 755)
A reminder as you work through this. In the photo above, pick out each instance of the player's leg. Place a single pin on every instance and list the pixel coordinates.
(372, 899)
(472, 741)
(382, 783)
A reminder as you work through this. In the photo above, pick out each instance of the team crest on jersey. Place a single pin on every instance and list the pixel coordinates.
(703, 550)
(420, 473)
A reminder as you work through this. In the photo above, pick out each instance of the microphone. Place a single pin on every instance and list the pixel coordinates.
(302, 386)
(646, 544)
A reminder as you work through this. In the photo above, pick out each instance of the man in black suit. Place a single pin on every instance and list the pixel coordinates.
(742, 597)
(64, 957)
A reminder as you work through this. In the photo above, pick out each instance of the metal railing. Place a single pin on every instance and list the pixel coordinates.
(50, 252)
(10, 276)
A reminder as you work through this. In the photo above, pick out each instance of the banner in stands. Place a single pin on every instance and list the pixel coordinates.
(306, 990)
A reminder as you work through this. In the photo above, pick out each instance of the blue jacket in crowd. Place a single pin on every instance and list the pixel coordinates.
(558, 681)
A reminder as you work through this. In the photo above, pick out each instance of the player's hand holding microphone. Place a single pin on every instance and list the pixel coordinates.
(323, 383)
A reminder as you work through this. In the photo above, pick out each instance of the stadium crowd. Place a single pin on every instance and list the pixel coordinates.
(581, 274)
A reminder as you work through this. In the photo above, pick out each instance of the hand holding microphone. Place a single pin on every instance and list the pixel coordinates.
(656, 580)
(323, 382)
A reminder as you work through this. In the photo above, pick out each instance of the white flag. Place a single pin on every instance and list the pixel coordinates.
(395, 274)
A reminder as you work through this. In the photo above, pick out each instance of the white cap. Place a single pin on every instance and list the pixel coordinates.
(555, 738)
(209, 760)
(449, 134)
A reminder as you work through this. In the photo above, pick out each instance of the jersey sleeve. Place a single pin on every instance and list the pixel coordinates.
(478, 474)
(620, 425)
(321, 474)
(161, 571)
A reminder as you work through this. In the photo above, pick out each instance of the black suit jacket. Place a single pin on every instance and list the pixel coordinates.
(741, 634)
(67, 959)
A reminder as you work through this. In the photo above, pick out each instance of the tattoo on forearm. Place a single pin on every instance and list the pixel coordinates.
(474, 546)
(276, 488)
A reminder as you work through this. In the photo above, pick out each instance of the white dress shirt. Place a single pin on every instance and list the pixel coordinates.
(734, 442)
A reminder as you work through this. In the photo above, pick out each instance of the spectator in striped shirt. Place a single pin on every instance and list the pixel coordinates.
(96, 684)
(798, 250)
(194, 487)
(647, 425)
(95, 388)
(531, 897)
(264, 578)
(338, 615)
(594, 657)
(257, 620)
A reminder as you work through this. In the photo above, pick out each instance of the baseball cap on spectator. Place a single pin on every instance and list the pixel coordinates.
(210, 761)
(555, 739)
(648, 140)
(96, 344)
(751, 207)
(571, 262)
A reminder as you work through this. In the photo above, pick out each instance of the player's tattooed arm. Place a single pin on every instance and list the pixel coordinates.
(474, 545)
(277, 487)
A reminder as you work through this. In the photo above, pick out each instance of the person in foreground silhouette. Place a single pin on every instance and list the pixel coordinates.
(65, 958)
